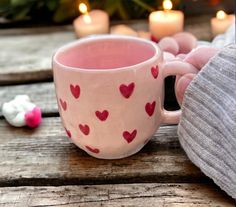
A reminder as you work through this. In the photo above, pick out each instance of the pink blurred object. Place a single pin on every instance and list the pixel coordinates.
(186, 42)
(33, 118)
(154, 39)
(169, 44)
(200, 56)
(181, 56)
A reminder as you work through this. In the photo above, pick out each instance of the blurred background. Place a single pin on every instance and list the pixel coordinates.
(22, 14)
(17, 13)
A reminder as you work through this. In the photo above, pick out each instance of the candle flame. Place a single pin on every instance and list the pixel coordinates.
(84, 10)
(220, 14)
(87, 19)
(167, 4)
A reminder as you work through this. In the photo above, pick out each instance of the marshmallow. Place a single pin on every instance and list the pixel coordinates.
(22, 112)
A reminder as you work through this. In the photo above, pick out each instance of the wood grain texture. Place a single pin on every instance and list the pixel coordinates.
(138, 195)
(28, 57)
(46, 156)
(26, 53)
(42, 94)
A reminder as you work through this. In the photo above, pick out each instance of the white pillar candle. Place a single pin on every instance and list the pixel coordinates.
(167, 22)
(221, 22)
(89, 23)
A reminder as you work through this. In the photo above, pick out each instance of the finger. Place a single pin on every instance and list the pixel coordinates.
(181, 86)
(200, 56)
(168, 44)
(177, 67)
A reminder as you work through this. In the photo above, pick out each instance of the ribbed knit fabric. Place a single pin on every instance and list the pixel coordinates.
(207, 129)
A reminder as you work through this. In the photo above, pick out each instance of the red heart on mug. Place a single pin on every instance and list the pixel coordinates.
(102, 115)
(155, 71)
(63, 104)
(84, 128)
(94, 150)
(150, 107)
(129, 137)
(127, 90)
(75, 90)
(68, 132)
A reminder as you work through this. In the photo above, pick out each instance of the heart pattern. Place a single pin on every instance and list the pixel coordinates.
(129, 137)
(68, 132)
(75, 90)
(155, 71)
(102, 115)
(84, 129)
(150, 107)
(91, 149)
(127, 90)
(63, 104)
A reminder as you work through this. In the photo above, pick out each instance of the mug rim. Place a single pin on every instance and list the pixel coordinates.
(157, 54)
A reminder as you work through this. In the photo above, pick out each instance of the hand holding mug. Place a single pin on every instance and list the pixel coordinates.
(198, 58)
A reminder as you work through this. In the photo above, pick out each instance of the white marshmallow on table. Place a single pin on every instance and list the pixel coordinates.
(15, 111)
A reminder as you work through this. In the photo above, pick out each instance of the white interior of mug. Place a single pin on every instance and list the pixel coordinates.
(106, 52)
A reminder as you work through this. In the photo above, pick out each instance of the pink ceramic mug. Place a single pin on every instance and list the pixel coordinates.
(110, 93)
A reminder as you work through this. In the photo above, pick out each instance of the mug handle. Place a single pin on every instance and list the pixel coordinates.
(175, 68)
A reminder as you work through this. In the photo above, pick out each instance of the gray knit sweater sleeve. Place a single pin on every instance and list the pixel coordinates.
(207, 129)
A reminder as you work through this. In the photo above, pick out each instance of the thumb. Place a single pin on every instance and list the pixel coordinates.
(182, 85)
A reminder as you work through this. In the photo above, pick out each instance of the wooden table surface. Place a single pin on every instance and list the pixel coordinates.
(41, 167)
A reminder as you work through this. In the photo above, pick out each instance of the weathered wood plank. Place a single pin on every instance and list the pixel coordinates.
(28, 57)
(42, 94)
(148, 195)
(26, 53)
(35, 30)
(45, 156)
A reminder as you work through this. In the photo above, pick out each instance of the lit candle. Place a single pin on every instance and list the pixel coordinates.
(93, 22)
(221, 22)
(167, 22)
